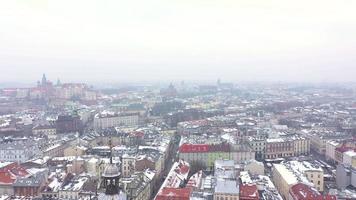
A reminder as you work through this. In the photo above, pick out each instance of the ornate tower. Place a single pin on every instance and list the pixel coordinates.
(111, 177)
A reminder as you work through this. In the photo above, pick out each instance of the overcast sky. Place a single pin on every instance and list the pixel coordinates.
(119, 40)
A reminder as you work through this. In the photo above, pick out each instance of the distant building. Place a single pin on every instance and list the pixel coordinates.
(206, 154)
(69, 124)
(102, 121)
(171, 91)
(18, 151)
(49, 131)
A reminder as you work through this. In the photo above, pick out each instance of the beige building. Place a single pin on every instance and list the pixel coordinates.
(348, 157)
(226, 189)
(353, 162)
(301, 146)
(283, 179)
(320, 138)
(44, 130)
(288, 174)
(286, 147)
(55, 150)
(279, 148)
(102, 121)
(318, 143)
(74, 151)
(330, 150)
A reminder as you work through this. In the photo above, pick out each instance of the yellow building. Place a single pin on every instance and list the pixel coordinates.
(288, 174)
(226, 189)
(74, 151)
(354, 162)
(283, 179)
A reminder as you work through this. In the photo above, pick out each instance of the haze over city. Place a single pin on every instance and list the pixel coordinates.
(110, 41)
(177, 100)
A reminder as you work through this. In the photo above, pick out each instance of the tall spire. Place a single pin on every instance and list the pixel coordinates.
(110, 145)
(111, 178)
(44, 79)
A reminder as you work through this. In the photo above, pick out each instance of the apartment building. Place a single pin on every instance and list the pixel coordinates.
(49, 131)
(206, 154)
(287, 174)
(107, 120)
(279, 148)
(18, 151)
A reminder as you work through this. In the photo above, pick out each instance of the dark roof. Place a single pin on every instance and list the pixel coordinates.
(32, 181)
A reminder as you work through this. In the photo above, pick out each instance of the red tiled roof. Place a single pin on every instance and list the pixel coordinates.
(174, 194)
(249, 192)
(343, 149)
(301, 191)
(6, 178)
(138, 133)
(195, 180)
(9, 173)
(203, 148)
(194, 148)
(182, 168)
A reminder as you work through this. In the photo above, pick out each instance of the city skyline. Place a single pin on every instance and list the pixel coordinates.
(188, 100)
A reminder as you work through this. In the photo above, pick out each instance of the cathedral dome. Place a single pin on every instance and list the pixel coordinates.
(111, 171)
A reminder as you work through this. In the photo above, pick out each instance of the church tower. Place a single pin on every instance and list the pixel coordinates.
(111, 180)
(44, 80)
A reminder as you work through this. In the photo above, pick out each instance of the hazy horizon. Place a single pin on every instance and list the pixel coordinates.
(134, 41)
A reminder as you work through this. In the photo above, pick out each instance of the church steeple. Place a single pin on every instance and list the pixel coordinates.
(44, 80)
(111, 176)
